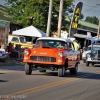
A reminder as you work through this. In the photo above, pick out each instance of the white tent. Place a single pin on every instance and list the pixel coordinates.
(80, 35)
(30, 31)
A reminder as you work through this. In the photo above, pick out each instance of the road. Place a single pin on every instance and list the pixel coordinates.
(15, 85)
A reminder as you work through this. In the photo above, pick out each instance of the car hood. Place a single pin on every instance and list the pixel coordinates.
(45, 51)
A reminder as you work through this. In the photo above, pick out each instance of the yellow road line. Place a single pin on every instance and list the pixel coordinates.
(38, 88)
(41, 87)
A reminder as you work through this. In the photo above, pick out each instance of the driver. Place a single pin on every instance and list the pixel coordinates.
(59, 45)
(40, 44)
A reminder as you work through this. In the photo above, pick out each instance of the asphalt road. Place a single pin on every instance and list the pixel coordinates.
(15, 85)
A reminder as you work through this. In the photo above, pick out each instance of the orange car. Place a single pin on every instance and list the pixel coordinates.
(51, 53)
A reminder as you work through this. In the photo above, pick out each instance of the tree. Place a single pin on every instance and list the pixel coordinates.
(81, 16)
(35, 12)
(3, 14)
(93, 19)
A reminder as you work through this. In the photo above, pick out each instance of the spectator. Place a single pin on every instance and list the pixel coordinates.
(20, 52)
(3, 55)
(76, 45)
(13, 52)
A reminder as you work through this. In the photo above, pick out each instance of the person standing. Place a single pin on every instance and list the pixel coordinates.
(76, 45)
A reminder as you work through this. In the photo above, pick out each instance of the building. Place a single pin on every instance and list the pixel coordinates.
(83, 29)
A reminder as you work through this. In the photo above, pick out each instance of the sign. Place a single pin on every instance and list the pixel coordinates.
(4, 31)
(75, 19)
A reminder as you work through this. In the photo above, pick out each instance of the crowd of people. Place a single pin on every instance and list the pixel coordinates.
(16, 52)
(11, 52)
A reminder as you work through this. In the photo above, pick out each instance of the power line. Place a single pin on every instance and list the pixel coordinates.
(91, 8)
(88, 5)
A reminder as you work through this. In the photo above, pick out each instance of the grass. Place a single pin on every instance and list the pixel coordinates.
(11, 63)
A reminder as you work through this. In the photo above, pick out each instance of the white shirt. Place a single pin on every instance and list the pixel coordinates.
(2, 51)
(84, 54)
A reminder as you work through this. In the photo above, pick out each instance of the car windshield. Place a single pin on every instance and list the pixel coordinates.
(51, 44)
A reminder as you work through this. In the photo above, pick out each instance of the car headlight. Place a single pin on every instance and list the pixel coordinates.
(60, 55)
(26, 52)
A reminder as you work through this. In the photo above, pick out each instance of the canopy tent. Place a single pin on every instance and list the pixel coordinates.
(30, 31)
(80, 35)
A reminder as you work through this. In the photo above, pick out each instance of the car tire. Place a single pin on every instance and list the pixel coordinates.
(73, 71)
(61, 71)
(92, 64)
(28, 69)
(84, 61)
(87, 63)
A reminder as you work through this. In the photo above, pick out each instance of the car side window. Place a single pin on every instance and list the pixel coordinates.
(15, 39)
(65, 46)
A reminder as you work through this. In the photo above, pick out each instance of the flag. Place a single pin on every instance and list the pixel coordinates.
(75, 19)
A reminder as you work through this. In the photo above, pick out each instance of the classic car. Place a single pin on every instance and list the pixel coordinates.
(19, 40)
(51, 53)
(87, 47)
(93, 56)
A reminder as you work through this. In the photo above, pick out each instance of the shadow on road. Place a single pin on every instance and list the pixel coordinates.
(3, 81)
(2, 73)
(67, 74)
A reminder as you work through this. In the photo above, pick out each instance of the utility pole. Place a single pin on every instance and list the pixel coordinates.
(60, 18)
(49, 18)
(98, 30)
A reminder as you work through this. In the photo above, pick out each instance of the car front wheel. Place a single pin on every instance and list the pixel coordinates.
(74, 70)
(28, 69)
(61, 71)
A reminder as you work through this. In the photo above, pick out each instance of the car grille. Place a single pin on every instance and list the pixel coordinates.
(97, 56)
(43, 58)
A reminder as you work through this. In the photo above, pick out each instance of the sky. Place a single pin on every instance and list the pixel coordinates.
(2, 2)
(90, 7)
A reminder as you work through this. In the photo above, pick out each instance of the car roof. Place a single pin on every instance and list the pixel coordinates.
(53, 38)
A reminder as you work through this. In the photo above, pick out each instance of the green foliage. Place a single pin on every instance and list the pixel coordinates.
(81, 16)
(93, 19)
(35, 12)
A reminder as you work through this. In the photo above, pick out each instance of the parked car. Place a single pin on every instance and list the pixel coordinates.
(19, 40)
(88, 50)
(93, 56)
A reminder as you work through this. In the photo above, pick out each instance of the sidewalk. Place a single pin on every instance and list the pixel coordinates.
(12, 63)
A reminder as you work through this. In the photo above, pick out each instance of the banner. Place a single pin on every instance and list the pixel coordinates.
(4, 31)
(75, 19)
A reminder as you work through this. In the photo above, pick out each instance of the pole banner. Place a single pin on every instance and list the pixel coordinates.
(75, 19)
